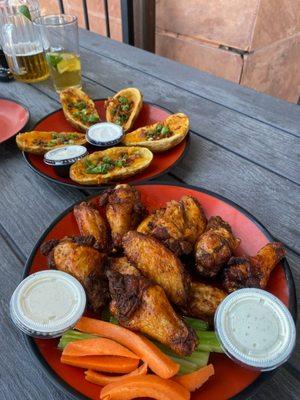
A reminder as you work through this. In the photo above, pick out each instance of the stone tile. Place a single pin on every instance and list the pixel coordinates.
(276, 20)
(275, 69)
(224, 22)
(210, 59)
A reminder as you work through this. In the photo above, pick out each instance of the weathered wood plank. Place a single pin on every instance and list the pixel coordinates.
(261, 107)
(251, 139)
(21, 376)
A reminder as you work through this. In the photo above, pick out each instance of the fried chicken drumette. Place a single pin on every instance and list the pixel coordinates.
(214, 247)
(91, 223)
(246, 271)
(142, 306)
(203, 301)
(158, 264)
(177, 226)
(124, 210)
(77, 257)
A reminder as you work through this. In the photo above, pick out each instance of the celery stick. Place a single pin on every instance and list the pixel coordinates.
(199, 357)
(72, 336)
(208, 342)
(196, 324)
(186, 367)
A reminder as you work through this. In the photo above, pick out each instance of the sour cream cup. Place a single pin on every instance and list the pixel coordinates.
(255, 329)
(104, 134)
(62, 158)
(48, 303)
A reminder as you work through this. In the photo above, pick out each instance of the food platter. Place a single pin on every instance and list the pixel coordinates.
(150, 113)
(230, 380)
(13, 118)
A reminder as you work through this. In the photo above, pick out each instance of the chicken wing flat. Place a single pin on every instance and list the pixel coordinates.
(203, 301)
(157, 263)
(124, 210)
(91, 223)
(77, 257)
(143, 306)
(214, 247)
(177, 226)
(246, 271)
(123, 266)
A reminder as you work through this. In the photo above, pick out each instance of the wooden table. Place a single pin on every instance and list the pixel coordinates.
(243, 146)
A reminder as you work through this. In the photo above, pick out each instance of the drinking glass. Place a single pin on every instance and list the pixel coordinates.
(61, 44)
(23, 49)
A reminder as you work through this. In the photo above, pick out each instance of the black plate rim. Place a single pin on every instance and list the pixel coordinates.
(103, 187)
(244, 394)
(27, 119)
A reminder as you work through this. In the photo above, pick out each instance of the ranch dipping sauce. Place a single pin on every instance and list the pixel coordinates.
(47, 303)
(104, 134)
(255, 329)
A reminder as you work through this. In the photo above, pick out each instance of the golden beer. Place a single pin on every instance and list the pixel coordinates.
(30, 67)
(65, 69)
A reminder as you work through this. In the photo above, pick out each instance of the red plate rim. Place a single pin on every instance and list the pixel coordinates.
(244, 394)
(103, 187)
(27, 119)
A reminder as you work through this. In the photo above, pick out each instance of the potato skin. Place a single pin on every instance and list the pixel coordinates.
(133, 94)
(25, 141)
(70, 95)
(78, 174)
(179, 125)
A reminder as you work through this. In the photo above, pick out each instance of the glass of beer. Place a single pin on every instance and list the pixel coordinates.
(23, 49)
(61, 44)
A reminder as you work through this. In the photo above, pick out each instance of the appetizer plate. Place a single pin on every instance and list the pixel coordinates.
(150, 113)
(230, 380)
(13, 118)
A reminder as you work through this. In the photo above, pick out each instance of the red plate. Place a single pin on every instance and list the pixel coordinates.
(149, 114)
(13, 117)
(230, 379)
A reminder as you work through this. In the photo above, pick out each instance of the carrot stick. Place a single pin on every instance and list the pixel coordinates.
(159, 363)
(115, 364)
(145, 386)
(102, 379)
(195, 379)
(97, 347)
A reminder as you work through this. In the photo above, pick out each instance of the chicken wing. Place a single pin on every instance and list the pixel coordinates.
(77, 257)
(214, 247)
(157, 263)
(124, 210)
(177, 226)
(91, 223)
(123, 266)
(143, 306)
(246, 271)
(203, 301)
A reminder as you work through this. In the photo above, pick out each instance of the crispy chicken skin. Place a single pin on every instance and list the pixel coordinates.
(178, 225)
(77, 257)
(123, 266)
(246, 271)
(214, 247)
(124, 210)
(91, 223)
(143, 306)
(203, 301)
(157, 263)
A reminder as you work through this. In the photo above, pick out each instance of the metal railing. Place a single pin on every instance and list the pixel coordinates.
(138, 21)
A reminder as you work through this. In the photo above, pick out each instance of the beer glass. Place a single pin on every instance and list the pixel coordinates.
(23, 49)
(60, 38)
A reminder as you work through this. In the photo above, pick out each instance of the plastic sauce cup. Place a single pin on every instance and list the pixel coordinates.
(104, 134)
(62, 158)
(48, 303)
(255, 329)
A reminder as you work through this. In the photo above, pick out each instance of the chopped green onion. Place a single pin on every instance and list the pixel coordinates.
(123, 100)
